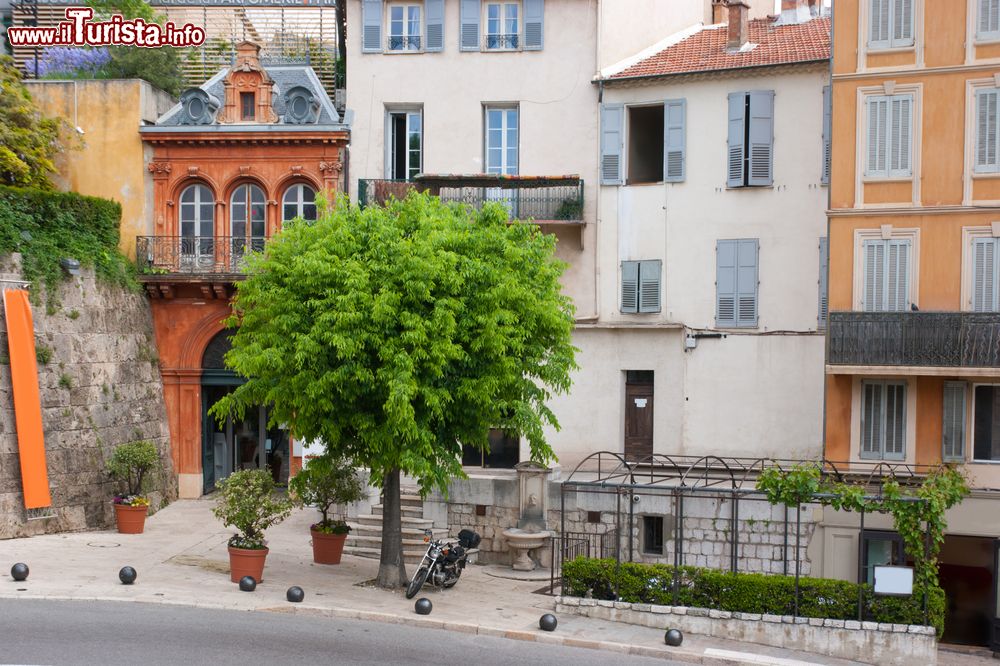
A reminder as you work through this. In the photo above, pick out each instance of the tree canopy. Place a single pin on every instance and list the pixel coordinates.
(396, 335)
(29, 141)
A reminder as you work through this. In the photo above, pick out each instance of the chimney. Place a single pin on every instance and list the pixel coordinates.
(739, 24)
(794, 11)
(718, 12)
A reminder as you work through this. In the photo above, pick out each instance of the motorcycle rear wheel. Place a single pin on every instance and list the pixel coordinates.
(417, 582)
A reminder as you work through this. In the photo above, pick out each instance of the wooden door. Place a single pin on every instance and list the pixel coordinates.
(638, 420)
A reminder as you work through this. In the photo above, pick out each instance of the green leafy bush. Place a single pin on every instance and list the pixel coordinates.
(745, 592)
(131, 464)
(325, 481)
(247, 502)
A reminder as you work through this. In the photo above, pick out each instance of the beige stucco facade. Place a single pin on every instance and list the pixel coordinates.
(107, 158)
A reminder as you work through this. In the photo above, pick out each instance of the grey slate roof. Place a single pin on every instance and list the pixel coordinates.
(285, 78)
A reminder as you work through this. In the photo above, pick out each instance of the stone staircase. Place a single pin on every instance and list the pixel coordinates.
(365, 539)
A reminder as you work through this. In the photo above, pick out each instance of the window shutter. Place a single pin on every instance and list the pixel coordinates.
(827, 132)
(470, 14)
(902, 23)
(898, 273)
(371, 36)
(874, 291)
(612, 122)
(871, 420)
(824, 254)
(434, 10)
(534, 24)
(877, 148)
(986, 130)
(674, 112)
(879, 34)
(630, 286)
(725, 283)
(901, 136)
(737, 129)
(989, 18)
(761, 138)
(953, 422)
(649, 286)
(984, 275)
(895, 422)
(746, 283)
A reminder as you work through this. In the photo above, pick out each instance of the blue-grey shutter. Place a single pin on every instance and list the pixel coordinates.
(434, 11)
(984, 275)
(953, 422)
(649, 286)
(827, 134)
(371, 19)
(471, 11)
(612, 123)
(989, 19)
(879, 32)
(902, 23)
(987, 103)
(872, 415)
(894, 439)
(898, 276)
(725, 283)
(873, 298)
(824, 298)
(534, 24)
(900, 135)
(746, 282)
(761, 138)
(674, 112)
(737, 135)
(877, 141)
(630, 286)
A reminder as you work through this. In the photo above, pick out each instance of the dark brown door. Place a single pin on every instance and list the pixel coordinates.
(638, 420)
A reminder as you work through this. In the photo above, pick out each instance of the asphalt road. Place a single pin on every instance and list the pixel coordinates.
(40, 632)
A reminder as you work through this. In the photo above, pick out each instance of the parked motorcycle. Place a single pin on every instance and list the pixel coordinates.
(443, 562)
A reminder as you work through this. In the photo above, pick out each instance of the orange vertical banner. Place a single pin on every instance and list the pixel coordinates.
(27, 400)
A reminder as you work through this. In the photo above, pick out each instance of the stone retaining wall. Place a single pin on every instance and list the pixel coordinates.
(867, 642)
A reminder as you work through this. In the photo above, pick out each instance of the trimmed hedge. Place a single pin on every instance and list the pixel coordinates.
(745, 592)
(58, 225)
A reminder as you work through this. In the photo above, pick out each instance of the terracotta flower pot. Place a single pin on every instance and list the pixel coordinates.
(327, 548)
(130, 519)
(243, 562)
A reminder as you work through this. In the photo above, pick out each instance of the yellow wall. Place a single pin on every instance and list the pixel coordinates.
(110, 161)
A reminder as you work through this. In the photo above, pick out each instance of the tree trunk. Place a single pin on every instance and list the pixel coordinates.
(342, 21)
(391, 570)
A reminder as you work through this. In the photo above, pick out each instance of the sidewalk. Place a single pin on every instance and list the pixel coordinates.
(182, 559)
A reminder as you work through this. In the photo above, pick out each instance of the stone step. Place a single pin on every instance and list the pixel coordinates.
(408, 532)
(405, 510)
(375, 541)
(405, 521)
(409, 556)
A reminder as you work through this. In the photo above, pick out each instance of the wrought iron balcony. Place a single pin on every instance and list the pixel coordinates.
(403, 43)
(931, 339)
(540, 198)
(499, 41)
(204, 255)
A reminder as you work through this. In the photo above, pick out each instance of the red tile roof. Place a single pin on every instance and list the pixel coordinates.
(706, 49)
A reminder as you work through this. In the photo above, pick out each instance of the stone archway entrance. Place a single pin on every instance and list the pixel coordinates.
(236, 444)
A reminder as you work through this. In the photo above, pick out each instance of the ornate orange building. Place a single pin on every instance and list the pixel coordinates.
(238, 157)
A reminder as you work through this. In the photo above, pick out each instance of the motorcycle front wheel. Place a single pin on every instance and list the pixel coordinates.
(416, 582)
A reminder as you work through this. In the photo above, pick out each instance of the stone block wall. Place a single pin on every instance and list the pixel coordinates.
(100, 387)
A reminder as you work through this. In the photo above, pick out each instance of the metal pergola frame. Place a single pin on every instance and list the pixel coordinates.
(724, 478)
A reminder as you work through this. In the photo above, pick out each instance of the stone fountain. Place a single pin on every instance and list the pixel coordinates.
(529, 541)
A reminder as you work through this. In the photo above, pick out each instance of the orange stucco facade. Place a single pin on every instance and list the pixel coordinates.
(938, 206)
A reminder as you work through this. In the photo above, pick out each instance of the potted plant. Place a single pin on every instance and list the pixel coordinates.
(131, 464)
(247, 501)
(325, 481)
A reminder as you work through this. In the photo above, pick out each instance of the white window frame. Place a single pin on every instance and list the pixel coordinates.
(909, 427)
(504, 167)
(411, 112)
(881, 454)
(977, 94)
(894, 42)
(504, 18)
(969, 236)
(970, 426)
(300, 202)
(410, 42)
(975, 15)
(889, 173)
(198, 245)
(888, 88)
(973, 172)
(885, 232)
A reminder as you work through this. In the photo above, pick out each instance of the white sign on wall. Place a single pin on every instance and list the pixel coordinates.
(894, 581)
(640, 402)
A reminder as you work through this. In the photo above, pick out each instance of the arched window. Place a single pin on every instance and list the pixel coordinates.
(299, 201)
(197, 220)
(246, 218)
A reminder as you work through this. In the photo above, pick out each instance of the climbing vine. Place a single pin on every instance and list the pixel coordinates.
(918, 513)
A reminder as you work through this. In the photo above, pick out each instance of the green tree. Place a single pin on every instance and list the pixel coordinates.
(29, 141)
(397, 334)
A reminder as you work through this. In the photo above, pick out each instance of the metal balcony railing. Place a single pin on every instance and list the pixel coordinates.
(500, 41)
(537, 199)
(164, 255)
(401, 43)
(931, 339)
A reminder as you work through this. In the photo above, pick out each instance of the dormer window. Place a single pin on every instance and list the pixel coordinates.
(247, 104)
